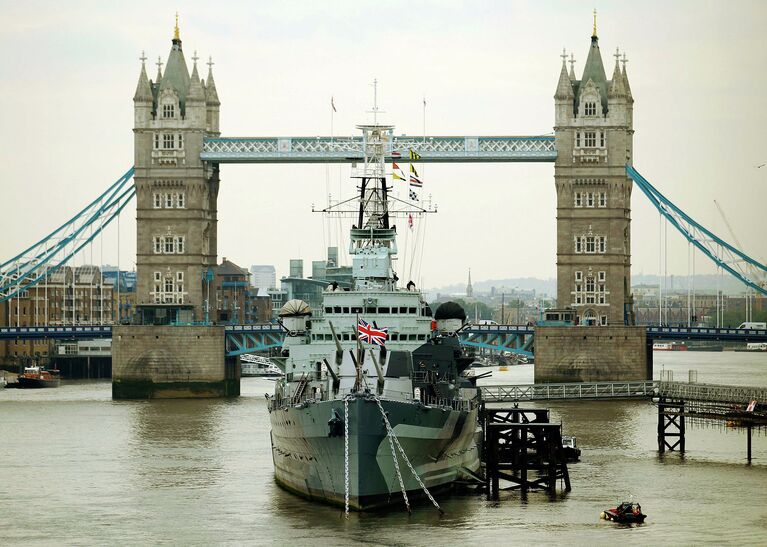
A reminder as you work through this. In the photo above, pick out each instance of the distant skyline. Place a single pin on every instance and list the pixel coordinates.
(696, 72)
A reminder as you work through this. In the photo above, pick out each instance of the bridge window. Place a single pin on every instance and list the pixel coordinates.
(181, 200)
(156, 141)
(603, 320)
(578, 199)
(578, 275)
(168, 141)
(590, 109)
(577, 139)
(590, 247)
(601, 139)
(157, 200)
(157, 245)
(602, 199)
(180, 141)
(168, 110)
(590, 139)
(601, 275)
(168, 245)
(578, 247)
(602, 244)
(590, 199)
(328, 309)
(356, 309)
(169, 201)
(180, 244)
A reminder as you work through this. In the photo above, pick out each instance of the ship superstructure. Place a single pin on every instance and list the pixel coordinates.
(358, 423)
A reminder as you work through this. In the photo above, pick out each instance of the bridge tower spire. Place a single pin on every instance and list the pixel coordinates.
(176, 192)
(594, 134)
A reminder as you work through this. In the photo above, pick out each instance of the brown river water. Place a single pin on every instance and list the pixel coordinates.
(80, 469)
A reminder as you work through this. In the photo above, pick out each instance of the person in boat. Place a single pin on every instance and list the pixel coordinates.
(410, 286)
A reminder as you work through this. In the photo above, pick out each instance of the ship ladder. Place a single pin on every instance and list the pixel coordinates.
(300, 389)
(393, 440)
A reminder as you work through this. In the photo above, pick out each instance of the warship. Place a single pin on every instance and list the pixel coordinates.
(372, 409)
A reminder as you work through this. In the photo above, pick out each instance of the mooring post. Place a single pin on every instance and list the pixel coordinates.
(661, 429)
(748, 441)
(523, 459)
(681, 428)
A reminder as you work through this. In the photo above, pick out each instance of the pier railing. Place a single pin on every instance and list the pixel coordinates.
(580, 390)
(710, 392)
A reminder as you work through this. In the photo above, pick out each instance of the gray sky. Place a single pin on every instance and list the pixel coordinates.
(697, 73)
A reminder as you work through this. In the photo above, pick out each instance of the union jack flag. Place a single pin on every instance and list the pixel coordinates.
(370, 334)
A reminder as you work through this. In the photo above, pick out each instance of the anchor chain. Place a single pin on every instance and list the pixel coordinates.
(346, 457)
(396, 465)
(393, 437)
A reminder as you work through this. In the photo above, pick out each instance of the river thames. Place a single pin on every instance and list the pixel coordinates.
(79, 468)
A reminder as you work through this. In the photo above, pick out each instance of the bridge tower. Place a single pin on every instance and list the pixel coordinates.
(176, 192)
(594, 135)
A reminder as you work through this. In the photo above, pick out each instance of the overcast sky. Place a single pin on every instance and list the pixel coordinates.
(697, 73)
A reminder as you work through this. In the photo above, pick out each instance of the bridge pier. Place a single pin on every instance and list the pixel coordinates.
(150, 362)
(591, 354)
(671, 425)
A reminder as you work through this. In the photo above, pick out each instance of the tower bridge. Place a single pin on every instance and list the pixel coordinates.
(179, 150)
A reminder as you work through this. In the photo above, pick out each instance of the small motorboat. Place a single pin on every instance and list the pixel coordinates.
(570, 450)
(37, 377)
(626, 513)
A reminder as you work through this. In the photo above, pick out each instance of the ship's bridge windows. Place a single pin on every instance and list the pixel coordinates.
(411, 310)
(346, 309)
(403, 309)
(336, 309)
(413, 337)
(370, 310)
(356, 309)
(422, 337)
(328, 309)
(393, 337)
(383, 310)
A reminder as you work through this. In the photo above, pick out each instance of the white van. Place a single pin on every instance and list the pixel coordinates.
(753, 325)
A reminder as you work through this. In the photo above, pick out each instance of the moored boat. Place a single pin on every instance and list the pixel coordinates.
(38, 377)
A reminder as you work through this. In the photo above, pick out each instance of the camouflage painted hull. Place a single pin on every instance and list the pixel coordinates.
(439, 442)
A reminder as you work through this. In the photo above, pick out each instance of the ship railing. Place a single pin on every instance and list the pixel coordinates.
(447, 402)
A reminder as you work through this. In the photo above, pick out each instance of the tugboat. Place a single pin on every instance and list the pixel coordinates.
(626, 513)
(37, 377)
(372, 410)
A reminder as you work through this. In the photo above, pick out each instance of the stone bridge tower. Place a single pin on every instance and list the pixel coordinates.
(594, 134)
(176, 193)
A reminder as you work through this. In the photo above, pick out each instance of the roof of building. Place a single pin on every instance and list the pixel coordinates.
(227, 267)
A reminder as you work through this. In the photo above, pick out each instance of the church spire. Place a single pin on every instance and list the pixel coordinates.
(469, 288)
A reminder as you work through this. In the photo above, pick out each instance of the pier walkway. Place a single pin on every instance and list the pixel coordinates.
(713, 393)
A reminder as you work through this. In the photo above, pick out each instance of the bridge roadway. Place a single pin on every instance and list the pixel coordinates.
(513, 338)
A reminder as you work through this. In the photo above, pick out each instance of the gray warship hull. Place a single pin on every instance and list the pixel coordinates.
(439, 441)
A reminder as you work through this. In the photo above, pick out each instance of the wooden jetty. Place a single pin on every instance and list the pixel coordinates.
(523, 448)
